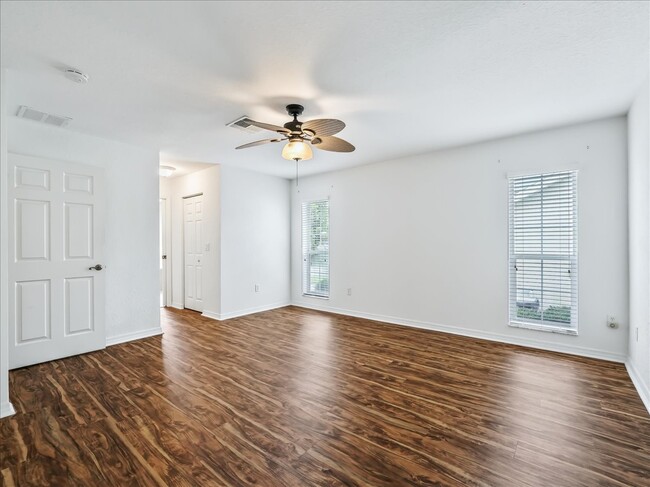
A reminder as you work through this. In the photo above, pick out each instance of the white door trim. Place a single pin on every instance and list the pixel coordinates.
(6, 408)
(168, 243)
(164, 250)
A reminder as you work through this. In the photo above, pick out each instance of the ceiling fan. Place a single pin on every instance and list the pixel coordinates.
(318, 133)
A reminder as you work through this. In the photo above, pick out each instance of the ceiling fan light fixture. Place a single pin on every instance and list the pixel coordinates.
(297, 150)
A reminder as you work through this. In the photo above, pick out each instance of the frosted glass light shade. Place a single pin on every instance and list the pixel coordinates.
(297, 150)
(166, 171)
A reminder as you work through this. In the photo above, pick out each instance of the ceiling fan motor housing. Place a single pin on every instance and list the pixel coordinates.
(294, 110)
(294, 126)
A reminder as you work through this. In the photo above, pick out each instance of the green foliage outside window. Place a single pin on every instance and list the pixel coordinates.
(558, 314)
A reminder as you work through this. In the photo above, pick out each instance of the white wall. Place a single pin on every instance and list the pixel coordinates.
(132, 300)
(255, 229)
(639, 226)
(5, 406)
(206, 182)
(423, 240)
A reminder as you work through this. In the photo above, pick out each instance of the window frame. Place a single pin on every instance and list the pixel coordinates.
(573, 259)
(303, 277)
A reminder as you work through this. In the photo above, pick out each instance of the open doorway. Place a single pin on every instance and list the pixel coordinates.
(187, 189)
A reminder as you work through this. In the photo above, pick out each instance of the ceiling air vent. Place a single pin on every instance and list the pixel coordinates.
(243, 123)
(48, 118)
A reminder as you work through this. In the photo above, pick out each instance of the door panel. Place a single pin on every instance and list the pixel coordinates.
(193, 252)
(80, 183)
(78, 231)
(56, 302)
(32, 230)
(198, 283)
(198, 256)
(32, 178)
(79, 305)
(189, 285)
(33, 310)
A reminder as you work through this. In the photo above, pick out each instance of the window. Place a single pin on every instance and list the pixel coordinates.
(316, 248)
(544, 252)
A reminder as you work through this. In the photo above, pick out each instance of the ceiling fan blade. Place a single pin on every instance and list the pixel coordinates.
(269, 126)
(333, 144)
(324, 126)
(258, 142)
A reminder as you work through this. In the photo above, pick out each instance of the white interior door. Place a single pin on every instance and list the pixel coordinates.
(193, 251)
(56, 296)
(163, 251)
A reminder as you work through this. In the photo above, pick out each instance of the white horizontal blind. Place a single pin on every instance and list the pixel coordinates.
(544, 250)
(315, 248)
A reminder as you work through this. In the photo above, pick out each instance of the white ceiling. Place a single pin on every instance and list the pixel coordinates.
(406, 77)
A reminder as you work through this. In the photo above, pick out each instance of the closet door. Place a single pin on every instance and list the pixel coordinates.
(193, 252)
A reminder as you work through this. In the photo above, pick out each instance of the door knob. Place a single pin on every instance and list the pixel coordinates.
(97, 267)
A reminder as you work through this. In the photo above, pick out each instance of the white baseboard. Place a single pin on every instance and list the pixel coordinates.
(641, 387)
(211, 314)
(6, 409)
(468, 332)
(128, 337)
(243, 312)
(177, 305)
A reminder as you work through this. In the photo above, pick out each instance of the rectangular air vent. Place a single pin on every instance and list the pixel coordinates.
(48, 118)
(242, 123)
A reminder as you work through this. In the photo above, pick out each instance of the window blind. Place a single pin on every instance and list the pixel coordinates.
(543, 217)
(315, 248)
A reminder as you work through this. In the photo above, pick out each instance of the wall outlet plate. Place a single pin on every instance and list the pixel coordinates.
(611, 322)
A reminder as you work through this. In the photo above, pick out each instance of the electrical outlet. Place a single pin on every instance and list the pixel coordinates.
(349, 291)
(257, 288)
(611, 322)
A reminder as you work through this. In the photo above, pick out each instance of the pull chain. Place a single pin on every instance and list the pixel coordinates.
(297, 172)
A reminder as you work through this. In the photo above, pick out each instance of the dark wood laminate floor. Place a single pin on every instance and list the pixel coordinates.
(297, 397)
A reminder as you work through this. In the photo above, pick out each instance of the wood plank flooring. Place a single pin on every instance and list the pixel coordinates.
(293, 397)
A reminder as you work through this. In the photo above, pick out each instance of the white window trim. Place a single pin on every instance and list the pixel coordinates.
(329, 239)
(543, 326)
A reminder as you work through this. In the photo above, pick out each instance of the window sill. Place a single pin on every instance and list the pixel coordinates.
(326, 298)
(547, 328)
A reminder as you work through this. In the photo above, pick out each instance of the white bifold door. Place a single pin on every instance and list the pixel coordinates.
(56, 275)
(193, 253)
